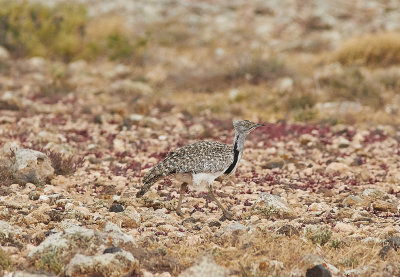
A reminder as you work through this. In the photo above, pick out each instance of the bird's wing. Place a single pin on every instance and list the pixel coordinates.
(201, 157)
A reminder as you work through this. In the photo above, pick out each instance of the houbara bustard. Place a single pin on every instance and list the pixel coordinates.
(201, 163)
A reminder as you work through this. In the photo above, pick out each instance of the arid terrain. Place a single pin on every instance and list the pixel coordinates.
(93, 94)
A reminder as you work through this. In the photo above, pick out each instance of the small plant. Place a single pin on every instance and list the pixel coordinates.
(335, 243)
(64, 165)
(63, 31)
(319, 235)
(350, 261)
(6, 176)
(49, 262)
(5, 260)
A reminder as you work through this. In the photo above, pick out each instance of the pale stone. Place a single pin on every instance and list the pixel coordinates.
(345, 228)
(32, 166)
(272, 206)
(109, 264)
(4, 55)
(337, 168)
(205, 267)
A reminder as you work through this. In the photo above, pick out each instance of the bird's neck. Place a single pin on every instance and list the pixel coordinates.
(238, 142)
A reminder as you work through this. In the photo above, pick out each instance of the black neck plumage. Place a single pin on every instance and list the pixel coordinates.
(235, 158)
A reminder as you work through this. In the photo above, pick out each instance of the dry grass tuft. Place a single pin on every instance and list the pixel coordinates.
(64, 165)
(5, 261)
(381, 49)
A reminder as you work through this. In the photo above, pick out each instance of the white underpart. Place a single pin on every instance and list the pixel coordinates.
(202, 180)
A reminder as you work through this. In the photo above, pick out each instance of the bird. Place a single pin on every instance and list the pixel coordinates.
(200, 163)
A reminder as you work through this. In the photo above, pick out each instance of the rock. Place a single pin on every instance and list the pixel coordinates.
(311, 260)
(318, 271)
(77, 67)
(76, 240)
(276, 163)
(305, 139)
(214, 223)
(32, 166)
(341, 142)
(288, 230)
(234, 227)
(373, 194)
(285, 85)
(10, 235)
(205, 267)
(37, 63)
(352, 200)
(108, 265)
(270, 205)
(10, 101)
(119, 238)
(335, 167)
(319, 207)
(119, 145)
(265, 265)
(393, 242)
(385, 206)
(129, 218)
(38, 215)
(112, 249)
(356, 271)
(4, 55)
(131, 87)
(390, 243)
(345, 228)
(196, 129)
(116, 208)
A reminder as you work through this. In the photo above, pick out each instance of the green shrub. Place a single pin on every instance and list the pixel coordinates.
(59, 32)
(319, 235)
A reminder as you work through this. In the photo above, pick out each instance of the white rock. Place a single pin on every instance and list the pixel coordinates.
(272, 206)
(345, 228)
(118, 237)
(131, 86)
(337, 168)
(4, 55)
(236, 226)
(37, 62)
(136, 117)
(285, 84)
(109, 264)
(205, 267)
(373, 194)
(77, 66)
(32, 166)
(44, 198)
(119, 145)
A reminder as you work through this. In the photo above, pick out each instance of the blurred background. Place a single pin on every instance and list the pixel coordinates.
(300, 60)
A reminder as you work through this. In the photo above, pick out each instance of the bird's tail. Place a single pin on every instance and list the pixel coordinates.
(155, 174)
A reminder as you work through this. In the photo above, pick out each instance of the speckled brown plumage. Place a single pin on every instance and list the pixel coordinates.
(201, 162)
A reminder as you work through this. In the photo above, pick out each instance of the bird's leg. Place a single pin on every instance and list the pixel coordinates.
(181, 193)
(227, 214)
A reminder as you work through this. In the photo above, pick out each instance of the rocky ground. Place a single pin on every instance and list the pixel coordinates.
(317, 189)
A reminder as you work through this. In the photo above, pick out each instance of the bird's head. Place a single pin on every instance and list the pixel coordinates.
(245, 126)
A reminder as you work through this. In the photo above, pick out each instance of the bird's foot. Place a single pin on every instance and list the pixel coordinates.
(179, 212)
